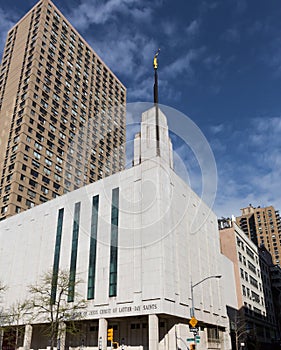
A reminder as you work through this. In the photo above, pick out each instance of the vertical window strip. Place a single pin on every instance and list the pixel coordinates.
(93, 248)
(73, 259)
(114, 243)
(57, 256)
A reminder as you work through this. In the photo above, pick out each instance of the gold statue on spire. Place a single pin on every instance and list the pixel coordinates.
(155, 62)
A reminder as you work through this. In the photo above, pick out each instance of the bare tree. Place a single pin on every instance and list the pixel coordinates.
(3, 288)
(50, 303)
(239, 327)
(15, 320)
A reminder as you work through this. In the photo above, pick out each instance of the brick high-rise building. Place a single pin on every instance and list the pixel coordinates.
(62, 112)
(263, 227)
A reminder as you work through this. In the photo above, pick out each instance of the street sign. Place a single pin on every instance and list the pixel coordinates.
(193, 322)
(194, 330)
(190, 339)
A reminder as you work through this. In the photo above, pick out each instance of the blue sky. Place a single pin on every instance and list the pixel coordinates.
(220, 64)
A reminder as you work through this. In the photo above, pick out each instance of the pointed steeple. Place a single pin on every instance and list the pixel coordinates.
(153, 141)
(155, 66)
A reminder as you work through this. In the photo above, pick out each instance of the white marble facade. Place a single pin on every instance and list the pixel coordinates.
(166, 238)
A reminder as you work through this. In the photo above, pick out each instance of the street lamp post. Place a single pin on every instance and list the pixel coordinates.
(192, 286)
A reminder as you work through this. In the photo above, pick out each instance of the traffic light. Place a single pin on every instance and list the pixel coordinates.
(110, 334)
(192, 347)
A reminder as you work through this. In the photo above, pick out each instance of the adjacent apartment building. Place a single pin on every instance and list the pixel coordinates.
(263, 227)
(62, 112)
(255, 317)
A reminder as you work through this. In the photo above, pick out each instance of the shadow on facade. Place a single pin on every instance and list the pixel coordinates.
(251, 331)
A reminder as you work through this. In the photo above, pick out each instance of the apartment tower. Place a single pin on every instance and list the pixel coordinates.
(62, 112)
(263, 227)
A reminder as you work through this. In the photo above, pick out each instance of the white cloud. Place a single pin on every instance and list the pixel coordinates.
(142, 91)
(183, 64)
(252, 174)
(216, 129)
(7, 20)
(169, 28)
(212, 61)
(100, 12)
(127, 54)
(143, 14)
(193, 28)
(218, 146)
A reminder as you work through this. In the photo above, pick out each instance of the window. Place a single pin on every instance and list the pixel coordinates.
(250, 253)
(45, 179)
(32, 183)
(6, 198)
(29, 203)
(44, 190)
(48, 162)
(4, 209)
(213, 335)
(49, 153)
(52, 128)
(253, 282)
(252, 267)
(58, 169)
(37, 155)
(33, 173)
(43, 199)
(93, 248)
(57, 178)
(47, 171)
(38, 146)
(57, 255)
(56, 97)
(73, 259)
(35, 163)
(56, 186)
(31, 193)
(114, 243)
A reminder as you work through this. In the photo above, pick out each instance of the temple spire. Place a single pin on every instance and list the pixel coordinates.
(155, 66)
